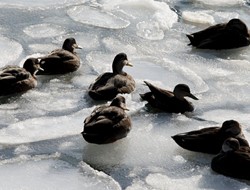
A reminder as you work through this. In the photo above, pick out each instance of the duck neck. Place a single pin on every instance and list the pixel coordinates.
(117, 68)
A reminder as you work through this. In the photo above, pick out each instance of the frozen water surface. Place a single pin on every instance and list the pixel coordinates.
(40, 131)
(97, 17)
(44, 30)
(10, 50)
(37, 4)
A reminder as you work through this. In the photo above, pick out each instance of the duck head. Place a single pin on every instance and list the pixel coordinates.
(120, 102)
(32, 65)
(182, 90)
(231, 128)
(238, 25)
(70, 44)
(230, 145)
(119, 62)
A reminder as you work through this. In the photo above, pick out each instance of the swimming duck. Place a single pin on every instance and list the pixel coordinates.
(233, 160)
(107, 123)
(108, 85)
(229, 35)
(209, 140)
(14, 79)
(172, 102)
(61, 61)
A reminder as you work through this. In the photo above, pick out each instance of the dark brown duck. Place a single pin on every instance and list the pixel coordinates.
(14, 79)
(233, 34)
(172, 102)
(61, 61)
(109, 84)
(209, 140)
(233, 160)
(107, 123)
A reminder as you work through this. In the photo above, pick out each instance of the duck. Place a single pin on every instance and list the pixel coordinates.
(61, 61)
(209, 140)
(108, 85)
(107, 123)
(15, 79)
(233, 160)
(233, 34)
(167, 101)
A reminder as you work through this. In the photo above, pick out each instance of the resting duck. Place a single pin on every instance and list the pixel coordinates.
(233, 160)
(61, 61)
(209, 140)
(172, 102)
(233, 34)
(107, 124)
(108, 85)
(14, 79)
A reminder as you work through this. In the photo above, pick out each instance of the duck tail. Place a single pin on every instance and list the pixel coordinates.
(191, 39)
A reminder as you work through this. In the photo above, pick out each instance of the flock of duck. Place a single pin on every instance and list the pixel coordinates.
(109, 123)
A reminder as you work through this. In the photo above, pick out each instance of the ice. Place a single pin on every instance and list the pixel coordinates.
(222, 2)
(98, 17)
(49, 172)
(44, 30)
(10, 51)
(149, 27)
(200, 17)
(40, 131)
(37, 4)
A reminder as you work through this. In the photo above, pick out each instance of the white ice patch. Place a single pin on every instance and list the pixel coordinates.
(38, 4)
(116, 45)
(36, 129)
(149, 30)
(50, 173)
(152, 17)
(10, 51)
(222, 2)
(200, 17)
(98, 17)
(44, 30)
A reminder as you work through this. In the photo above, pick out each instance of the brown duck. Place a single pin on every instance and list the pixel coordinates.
(209, 140)
(172, 102)
(14, 79)
(233, 34)
(107, 123)
(109, 84)
(233, 160)
(61, 61)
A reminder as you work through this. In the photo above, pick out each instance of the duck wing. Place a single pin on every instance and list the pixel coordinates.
(159, 93)
(124, 83)
(197, 37)
(59, 61)
(12, 74)
(103, 88)
(205, 140)
(234, 164)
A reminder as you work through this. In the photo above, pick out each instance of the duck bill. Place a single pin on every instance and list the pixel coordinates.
(40, 68)
(192, 96)
(123, 106)
(77, 46)
(128, 64)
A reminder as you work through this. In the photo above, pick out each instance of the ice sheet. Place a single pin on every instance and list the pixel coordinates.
(40, 131)
(44, 30)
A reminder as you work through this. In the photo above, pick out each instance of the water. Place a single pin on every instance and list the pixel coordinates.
(40, 141)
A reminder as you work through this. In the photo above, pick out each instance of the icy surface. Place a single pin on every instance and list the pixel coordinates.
(40, 131)
(44, 30)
